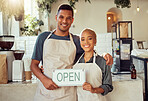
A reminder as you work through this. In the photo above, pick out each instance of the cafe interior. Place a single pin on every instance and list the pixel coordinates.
(122, 31)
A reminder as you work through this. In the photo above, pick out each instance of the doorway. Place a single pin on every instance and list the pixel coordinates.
(113, 16)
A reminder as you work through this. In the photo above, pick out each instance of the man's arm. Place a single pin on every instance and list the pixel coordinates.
(47, 82)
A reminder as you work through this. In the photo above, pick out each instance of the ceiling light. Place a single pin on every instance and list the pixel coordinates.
(109, 18)
(138, 9)
(75, 11)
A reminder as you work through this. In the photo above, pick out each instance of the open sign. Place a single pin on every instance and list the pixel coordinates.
(69, 77)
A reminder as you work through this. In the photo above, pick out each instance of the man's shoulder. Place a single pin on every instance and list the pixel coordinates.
(43, 35)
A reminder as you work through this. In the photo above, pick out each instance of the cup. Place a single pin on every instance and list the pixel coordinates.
(28, 75)
(27, 62)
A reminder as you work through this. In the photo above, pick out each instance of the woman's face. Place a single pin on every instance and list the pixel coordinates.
(88, 41)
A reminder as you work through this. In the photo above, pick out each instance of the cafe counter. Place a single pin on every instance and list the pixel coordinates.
(125, 89)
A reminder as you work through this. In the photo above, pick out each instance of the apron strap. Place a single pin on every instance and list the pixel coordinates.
(94, 58)
(79, 58)
(71, 39)
(54, 30)
(95, 54)
(50, 34)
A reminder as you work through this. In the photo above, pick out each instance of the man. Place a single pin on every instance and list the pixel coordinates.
(57, 50)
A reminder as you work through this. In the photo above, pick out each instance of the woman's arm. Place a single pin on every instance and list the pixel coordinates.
(106, 80)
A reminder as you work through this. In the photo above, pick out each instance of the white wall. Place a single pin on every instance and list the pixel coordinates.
(15, 27)
(25, 43)
(1, 24)
(94, 16)
(104, 43)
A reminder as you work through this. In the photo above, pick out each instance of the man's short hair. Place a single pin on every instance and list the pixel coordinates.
(65, 7)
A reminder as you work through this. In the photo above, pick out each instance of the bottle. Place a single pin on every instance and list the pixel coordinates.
(133, 72)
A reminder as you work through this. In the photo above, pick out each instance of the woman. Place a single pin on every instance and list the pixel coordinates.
(98, 74)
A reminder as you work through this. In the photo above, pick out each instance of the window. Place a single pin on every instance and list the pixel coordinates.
(30, 7)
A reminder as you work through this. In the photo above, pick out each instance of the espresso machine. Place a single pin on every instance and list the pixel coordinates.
(18, 66)
(6, 43)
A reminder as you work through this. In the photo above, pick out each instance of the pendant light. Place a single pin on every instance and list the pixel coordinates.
(138, 9)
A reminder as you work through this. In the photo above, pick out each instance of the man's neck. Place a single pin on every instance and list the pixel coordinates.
(60, 33)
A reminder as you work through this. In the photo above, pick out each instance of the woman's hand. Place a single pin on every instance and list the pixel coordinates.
(108, 58)
(88, 87)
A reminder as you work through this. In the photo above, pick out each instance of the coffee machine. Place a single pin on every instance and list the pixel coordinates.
(6, 43)
(18, 66)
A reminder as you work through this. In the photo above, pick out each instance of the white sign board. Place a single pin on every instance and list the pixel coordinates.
(69, 77)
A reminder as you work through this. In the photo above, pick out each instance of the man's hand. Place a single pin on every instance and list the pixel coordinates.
(49, 84)
(42, 69)
(109, 59)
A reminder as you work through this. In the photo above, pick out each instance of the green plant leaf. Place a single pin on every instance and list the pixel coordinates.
(31, 26)
(122, 3)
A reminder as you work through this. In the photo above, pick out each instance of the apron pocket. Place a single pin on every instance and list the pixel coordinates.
(58, 93)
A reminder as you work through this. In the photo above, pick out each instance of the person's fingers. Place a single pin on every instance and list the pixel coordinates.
(87, 85)
(84, 83)
(51, 88)
(84, 86)
(42, 70)
(107, 62)
(107, 59)
(55, 86)
(110, 61)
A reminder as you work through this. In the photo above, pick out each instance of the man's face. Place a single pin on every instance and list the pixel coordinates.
(64, 20)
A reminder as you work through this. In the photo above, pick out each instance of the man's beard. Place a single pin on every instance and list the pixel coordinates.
(63, 30)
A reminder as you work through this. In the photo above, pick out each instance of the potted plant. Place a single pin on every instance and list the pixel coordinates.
(31, 26)
(45, 5)
(122, 3)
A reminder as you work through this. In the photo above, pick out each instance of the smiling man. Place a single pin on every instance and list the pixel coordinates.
(56, 50)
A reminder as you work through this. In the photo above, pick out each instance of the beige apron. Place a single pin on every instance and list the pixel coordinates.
(94, 77)
(57, 54)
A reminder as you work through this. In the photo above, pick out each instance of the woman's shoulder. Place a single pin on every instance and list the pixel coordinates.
(100, 58)
(100, 61)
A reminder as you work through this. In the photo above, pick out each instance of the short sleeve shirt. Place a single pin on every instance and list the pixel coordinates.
(38, 48)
